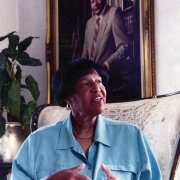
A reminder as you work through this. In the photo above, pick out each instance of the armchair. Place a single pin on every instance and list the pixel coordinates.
(158, 117)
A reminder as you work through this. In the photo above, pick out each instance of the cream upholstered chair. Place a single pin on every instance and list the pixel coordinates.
(159, 118)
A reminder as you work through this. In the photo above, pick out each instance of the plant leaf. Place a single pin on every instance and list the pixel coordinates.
(28, 61)
(32, 85)
(3, 76)
(2, 125)
(18, 73)
(4, 37)
(35, 62)
(23, 45)
(4, 94)
(3, 61)
(13, 102)
(13, 41)
(24, 59)
(26, 116)
(3, 73)
(6, 52)
(3, 79)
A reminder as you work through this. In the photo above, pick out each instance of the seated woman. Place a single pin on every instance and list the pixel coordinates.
(85, 145)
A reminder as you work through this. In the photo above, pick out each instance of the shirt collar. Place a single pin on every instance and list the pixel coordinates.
(67, 139)
(101, 134)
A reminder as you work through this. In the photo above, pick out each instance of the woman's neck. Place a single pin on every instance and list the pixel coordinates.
(84, 130)
(83, 126)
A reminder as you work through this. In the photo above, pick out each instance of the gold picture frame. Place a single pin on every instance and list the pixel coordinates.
(147, 49)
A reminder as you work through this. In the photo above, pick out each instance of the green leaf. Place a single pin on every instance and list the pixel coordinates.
(4, 93)
(2, 125)
(18, 73)
(32, 85)
(6, 52)
(30, 107)
(3, 73)
(23, 45)
(3, 61)
(35, 62)
(10, 72)
(14, 94)
(24, 59)
(3, 79)
(4, 37)
(28, 61)
(13, 41)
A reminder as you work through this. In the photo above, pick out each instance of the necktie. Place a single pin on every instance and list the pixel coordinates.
(94, 44)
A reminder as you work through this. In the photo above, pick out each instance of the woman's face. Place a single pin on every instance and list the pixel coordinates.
(89, 96)
(97, 6)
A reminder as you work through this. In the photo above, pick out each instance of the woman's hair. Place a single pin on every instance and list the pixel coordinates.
(71, 73)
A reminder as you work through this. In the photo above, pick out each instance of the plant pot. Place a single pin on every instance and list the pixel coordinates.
(11, 141)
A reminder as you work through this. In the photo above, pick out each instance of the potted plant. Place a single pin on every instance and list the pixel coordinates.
(12, 83)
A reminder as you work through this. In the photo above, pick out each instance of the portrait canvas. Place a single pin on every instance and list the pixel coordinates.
(130, 76)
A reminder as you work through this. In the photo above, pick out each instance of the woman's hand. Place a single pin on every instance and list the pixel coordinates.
(68, 174)
(109, 174)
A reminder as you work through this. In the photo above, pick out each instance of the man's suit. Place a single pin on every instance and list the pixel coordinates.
(112, 48)
(112, 40)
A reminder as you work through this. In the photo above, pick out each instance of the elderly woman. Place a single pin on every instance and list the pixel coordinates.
(85, 145)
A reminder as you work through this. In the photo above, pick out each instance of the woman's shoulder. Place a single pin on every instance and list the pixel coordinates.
(48, 129)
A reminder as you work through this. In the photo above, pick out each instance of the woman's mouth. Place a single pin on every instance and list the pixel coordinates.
(97, 99)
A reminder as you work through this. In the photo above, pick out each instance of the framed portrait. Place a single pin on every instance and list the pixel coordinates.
(135, 74)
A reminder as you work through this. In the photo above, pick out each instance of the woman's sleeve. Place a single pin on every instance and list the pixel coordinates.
(22, 166)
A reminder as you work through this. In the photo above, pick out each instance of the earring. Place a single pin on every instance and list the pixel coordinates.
(68, 107)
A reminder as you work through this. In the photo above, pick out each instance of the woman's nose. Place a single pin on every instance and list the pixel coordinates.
(96, 87)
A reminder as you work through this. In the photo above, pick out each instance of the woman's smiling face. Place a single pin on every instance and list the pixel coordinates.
(89, 96)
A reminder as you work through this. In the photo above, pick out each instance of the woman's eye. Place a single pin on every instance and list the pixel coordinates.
(84, 84)
(99, 81)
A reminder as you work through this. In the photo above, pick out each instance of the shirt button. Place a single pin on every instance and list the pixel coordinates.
(90, 167)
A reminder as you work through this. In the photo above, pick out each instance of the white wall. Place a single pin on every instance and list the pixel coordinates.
(167, 43)
(28, 18)
(32, 22)
(8, 18)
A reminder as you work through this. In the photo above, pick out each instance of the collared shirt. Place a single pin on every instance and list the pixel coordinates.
(120, 146)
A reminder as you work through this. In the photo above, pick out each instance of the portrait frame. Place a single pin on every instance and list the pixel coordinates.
(147, 48)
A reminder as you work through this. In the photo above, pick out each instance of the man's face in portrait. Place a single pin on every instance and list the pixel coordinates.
(97, 6)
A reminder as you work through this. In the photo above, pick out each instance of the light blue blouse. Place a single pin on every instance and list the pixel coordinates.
(122, 147)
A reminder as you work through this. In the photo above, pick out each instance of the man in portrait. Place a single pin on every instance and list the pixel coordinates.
(106, 43)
